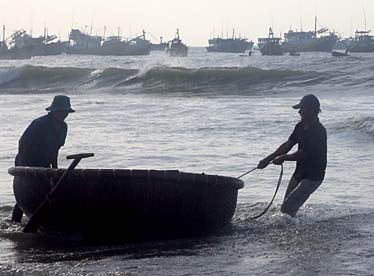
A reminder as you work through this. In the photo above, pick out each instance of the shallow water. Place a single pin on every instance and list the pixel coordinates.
(218, 114)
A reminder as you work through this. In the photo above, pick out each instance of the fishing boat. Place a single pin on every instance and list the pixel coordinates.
(362, 43)
(344, 44)
(10, 51)
(229, 45)
(309, 41)
(127, 205)
(176, 47)
(270, 46)
(81, 43)
(21, 45)
(39, 46)
(13, 53)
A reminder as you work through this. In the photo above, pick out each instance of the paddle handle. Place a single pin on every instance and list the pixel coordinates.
(36, 219)
(80, 156)
(77, 158)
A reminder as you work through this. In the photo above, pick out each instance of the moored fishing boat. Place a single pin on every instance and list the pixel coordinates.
(229, 45)
(128, 205)
(81, 43)
(177, 48)
(13, 53)
(270, 46)
(21, 45)
(309, 41)
(362, 43)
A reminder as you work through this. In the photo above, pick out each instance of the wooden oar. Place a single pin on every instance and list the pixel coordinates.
(39, 214)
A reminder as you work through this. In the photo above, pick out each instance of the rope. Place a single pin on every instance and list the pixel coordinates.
(275, 193)
(247, 172)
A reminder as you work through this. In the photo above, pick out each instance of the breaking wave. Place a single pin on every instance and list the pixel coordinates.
(158, 79)
(364, 124)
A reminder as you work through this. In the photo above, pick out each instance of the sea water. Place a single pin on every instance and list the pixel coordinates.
(212, 113)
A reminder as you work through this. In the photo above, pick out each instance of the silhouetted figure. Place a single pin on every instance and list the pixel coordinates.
(311, 156)
(41, 141)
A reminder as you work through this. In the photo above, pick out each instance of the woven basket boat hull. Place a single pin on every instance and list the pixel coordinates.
(128, 204)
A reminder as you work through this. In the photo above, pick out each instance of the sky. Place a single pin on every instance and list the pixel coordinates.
(197, 20)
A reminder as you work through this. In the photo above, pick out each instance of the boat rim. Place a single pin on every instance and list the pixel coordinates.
(172, 175)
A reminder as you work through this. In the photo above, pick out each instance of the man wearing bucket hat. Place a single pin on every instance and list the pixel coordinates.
(311, 156)
(41, 141)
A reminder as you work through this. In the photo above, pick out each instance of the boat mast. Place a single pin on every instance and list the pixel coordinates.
(45, 32)
(271, 34)
(91, 27)
(4, 34)
(315, 25)
(104, 32)
(89, 37)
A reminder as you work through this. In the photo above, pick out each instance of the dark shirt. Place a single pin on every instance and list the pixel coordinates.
(40, 143)
(313, 142)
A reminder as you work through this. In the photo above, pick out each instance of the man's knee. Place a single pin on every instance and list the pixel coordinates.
(299, 196)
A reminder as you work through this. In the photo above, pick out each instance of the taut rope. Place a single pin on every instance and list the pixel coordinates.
(275, 193)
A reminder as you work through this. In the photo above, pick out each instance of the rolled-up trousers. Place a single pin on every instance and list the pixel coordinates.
(297, 193)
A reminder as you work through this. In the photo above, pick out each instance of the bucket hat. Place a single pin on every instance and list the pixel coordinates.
(60, 103)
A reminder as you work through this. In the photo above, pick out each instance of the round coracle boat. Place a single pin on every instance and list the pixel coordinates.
(127, 204)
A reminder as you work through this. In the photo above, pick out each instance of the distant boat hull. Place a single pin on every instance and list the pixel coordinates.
(271, 50)
(220, 50)
(178, 51)
(362, 48)
(129, 205)
(15, 53)
(229, 45)
(159, 47)
(339, 54)
(240, 48)
(128, 50)
(322, 44)
(52, 49)
(104, 52)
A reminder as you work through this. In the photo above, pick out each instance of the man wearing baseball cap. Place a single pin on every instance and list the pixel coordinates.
(41, 141)
(311, 156)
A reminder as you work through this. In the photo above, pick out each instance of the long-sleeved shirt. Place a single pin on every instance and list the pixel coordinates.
(40, 143)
